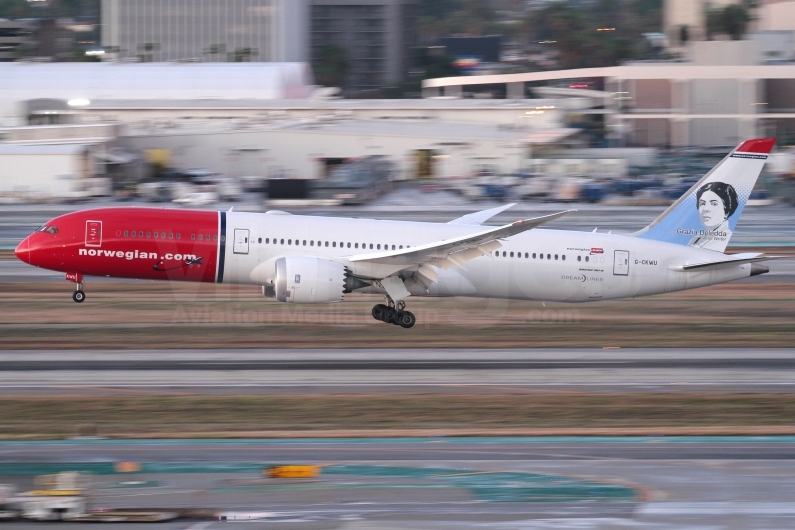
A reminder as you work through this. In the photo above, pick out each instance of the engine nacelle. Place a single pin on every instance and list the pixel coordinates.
(306, 280)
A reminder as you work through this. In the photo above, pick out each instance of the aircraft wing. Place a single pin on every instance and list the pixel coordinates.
(478, 218)
(731, 259)
(453, 252)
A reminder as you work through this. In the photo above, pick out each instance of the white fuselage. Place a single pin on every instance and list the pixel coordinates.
(575, 267)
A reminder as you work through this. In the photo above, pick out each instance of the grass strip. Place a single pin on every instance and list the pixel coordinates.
(413, 414)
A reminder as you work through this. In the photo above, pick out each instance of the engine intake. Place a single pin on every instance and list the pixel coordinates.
(306, 280)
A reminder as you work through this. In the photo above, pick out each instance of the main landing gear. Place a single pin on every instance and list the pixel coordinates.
(394, 314)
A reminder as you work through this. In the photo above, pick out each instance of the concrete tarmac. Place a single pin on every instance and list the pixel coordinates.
(385, 370)
(701, 483)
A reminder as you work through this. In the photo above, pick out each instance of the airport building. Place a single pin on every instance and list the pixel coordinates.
(726, 93)
(304, 148)
(206, 30)
(55, 93)
(376, 34)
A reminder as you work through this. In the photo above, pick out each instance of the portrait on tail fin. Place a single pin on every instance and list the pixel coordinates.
(716, 203)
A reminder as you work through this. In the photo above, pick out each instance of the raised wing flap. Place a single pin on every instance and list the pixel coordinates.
(443, 249)
(732, 259)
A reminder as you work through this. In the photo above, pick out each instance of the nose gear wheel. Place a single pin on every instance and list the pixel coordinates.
(79, 295)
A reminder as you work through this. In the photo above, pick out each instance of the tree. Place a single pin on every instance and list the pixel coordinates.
(732, 20)
(735, 20)
(572, 29)
(330, 65)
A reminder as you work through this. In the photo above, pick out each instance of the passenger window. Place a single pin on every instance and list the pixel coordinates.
(148, 235)
(215, 238)
(334, 244)
(312, 243)
(267, 240)
(125, 233)
(180, 235)
(371, 246)
(534, 255)
(556, 257)
(162, 235)
(564, 257)
(393, 247)
(540, 256)
(282, 242)
(586, 259)
(223, 238)
(511, 254)
(378, 247)
(349, 245)
(289, 241)
(549, 256)
(259, 240)
(326, 243)
(171, 236)
(401, 247)
(356, 245)
(579, 258)
(201, 237)
(304, 242)
(155, 235)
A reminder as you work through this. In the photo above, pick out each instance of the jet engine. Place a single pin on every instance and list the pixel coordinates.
(307, 280)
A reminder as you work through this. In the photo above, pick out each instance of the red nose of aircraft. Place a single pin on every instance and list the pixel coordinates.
(22, 251)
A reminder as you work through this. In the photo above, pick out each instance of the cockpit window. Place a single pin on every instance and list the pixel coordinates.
(50, 229)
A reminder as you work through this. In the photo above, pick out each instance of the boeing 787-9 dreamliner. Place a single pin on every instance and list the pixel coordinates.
(311, 260)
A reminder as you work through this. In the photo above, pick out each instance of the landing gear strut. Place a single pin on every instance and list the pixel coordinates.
(394, 314)
(79, 295)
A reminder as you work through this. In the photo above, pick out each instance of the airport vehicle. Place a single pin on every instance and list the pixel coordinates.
(356, 182)
(308, 259)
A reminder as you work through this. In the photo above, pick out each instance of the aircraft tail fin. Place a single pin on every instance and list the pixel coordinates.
(707, 214)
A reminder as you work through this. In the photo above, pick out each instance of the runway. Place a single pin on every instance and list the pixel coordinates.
(732, 483)
(386, 370)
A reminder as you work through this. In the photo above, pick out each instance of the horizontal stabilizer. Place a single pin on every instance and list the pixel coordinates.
(731, 259)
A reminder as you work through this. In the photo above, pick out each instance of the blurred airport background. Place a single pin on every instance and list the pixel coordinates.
(340, 102)
(179, 403)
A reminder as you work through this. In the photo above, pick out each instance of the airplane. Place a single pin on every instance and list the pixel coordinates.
(306, 259)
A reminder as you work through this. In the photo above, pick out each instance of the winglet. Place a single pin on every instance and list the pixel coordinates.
(477, 218)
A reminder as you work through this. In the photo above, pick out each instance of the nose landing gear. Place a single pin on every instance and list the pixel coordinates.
(394, 314)
(79, 295)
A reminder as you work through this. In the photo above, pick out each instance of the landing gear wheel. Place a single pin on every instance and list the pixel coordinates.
(78, 296)
(406, 319)
(378, 312)
(389, 315)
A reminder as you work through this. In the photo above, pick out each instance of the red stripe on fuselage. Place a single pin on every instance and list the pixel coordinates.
(78, 248)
